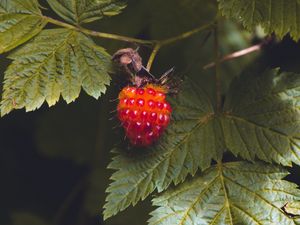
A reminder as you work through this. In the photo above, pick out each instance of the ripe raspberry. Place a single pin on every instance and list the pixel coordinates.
(144, 113)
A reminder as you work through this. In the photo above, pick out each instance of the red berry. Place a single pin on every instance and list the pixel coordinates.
(144, 113)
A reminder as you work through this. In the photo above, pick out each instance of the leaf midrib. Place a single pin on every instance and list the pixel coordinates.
(257, 195)
(222, 180)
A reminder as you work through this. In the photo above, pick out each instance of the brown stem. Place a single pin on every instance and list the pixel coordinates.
(236, 54)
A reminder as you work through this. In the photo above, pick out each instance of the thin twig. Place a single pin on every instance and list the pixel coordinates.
(217, 69)
(236, 54)
(152, 56)
(98, 34)
(168, 41)
(187, 34)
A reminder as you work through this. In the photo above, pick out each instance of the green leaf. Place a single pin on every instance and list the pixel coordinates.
(19, 21)
(85, 11)
(23, 218)
(279, 16)
(229, 193)
(56, 62)
(260, 119)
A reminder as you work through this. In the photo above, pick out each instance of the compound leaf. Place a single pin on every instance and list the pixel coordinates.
(279, 16)
(260, 119)
(85, 11)
(19, 21)
(56, 62)
(227, 194)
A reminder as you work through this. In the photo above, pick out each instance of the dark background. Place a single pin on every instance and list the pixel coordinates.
(53, 161)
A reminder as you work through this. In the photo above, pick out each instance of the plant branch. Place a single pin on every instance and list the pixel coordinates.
(153, 55)
(217, 69)
(162, 42)
(236, 54)
(168, 41)
(187, 34)
(99, 34)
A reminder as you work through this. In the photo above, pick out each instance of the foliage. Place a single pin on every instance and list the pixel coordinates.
(213, 165)
(229, 193)
(276, 16)
(19, 21)
(56, 62)
(61, 61)
(199, 134)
